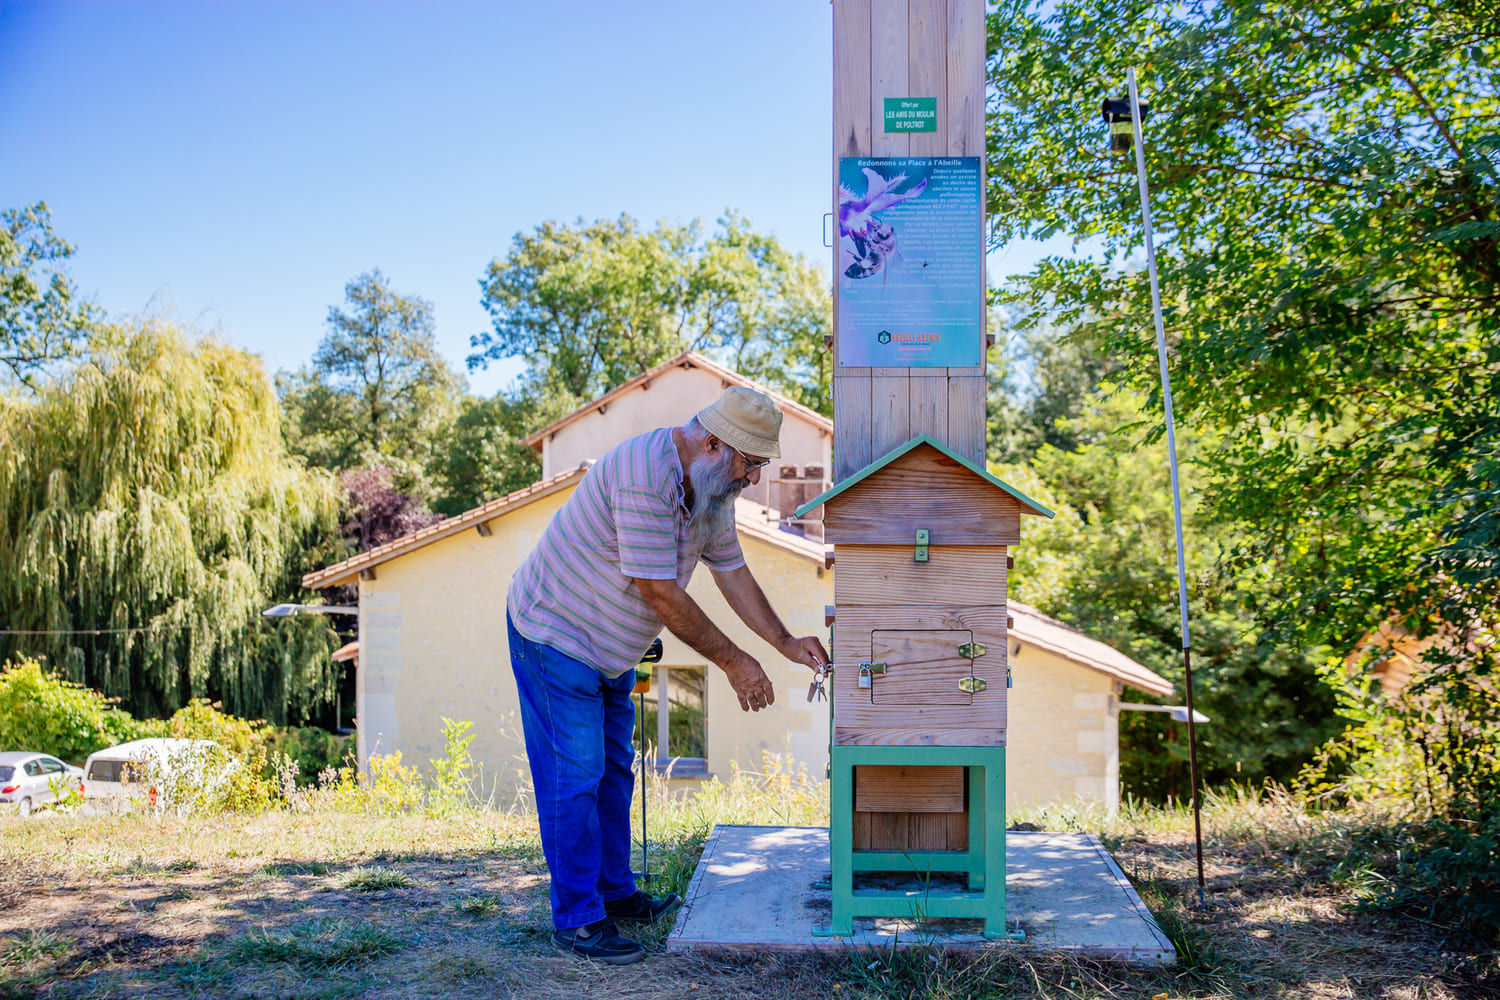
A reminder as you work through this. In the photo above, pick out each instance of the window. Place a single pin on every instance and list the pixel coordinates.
(34, 768)
(50, 766)
(116, 770)
(685, 732)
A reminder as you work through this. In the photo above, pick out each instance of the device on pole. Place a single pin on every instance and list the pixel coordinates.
(1124, 117)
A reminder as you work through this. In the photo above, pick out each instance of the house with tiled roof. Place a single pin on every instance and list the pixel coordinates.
(432, 636)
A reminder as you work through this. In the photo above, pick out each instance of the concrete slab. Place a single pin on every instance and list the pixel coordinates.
(765, 888)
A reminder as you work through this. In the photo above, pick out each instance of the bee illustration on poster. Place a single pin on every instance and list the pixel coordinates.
(910, 265)
(865, 239)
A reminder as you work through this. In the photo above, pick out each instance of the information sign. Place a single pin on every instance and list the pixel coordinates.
(911, 262)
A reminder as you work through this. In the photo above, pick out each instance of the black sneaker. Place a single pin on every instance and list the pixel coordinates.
(643, 908)
(600, 942)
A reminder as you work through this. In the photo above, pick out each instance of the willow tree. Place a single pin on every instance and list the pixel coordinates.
(148, 512)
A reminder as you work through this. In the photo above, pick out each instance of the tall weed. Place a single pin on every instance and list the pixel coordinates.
(452, 785)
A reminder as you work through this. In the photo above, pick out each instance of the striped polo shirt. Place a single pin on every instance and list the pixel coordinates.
(575, 591)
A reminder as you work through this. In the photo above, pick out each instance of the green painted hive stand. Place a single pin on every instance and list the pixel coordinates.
(984, 861)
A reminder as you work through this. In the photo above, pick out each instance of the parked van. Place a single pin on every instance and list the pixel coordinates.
(153, 772)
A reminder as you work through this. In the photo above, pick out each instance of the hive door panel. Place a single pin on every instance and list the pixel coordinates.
(922, 668)
(917, 701)
(953, 575)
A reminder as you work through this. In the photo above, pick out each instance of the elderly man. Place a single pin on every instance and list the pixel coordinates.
(611, 569)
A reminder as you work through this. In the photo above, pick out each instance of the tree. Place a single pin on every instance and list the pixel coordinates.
(148, 513)
(1106, 563)
(378, 390)
(1328, 208)
(593, 305)
(1044, 377)
(481, 456)
(378, 512)
(42, 320)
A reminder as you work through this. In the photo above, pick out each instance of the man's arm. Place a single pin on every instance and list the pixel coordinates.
(685, 619)
(744, 595)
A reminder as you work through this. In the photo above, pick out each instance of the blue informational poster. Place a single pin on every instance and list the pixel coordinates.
(911, 262)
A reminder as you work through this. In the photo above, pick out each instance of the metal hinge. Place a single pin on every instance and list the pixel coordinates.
(973, 650)
(923, 535)
(972, 685)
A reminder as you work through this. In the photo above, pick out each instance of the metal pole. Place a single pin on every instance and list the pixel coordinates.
(1166, 393)
(645, 857)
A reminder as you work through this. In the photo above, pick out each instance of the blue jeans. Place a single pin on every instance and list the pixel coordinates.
(578, 726)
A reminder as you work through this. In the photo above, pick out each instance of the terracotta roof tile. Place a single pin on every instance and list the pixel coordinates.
(747, 518)
(348, 569)
(1039, 630)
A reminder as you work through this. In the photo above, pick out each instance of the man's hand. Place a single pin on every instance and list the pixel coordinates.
(749, 602)
(807, 650)
(682, 616)
(749, 681)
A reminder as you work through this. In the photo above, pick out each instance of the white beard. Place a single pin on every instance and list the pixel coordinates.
(714, 493)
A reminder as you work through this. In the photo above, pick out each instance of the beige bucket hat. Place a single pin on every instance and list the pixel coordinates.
(746, 420)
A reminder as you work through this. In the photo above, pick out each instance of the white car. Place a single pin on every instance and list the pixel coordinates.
(28, 780)
(158, 772)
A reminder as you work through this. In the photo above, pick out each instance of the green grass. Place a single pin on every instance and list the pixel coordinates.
(375, 879)
(29, 946)
(1201, 957)
(478, 906)
(287, 869)
(1284, 920)
(314, 945)
(139, 867)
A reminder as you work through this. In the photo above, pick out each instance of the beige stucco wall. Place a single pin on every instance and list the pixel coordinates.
(674, 396)
(433, 644)
(1063, 732)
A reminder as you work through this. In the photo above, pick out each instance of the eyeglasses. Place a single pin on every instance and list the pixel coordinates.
(749, 465)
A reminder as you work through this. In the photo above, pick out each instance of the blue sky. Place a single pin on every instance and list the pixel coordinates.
(234, 164)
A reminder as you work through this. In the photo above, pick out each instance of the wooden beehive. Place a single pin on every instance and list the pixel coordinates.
(920, 630)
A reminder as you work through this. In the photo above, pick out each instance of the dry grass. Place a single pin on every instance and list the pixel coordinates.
(342, 904)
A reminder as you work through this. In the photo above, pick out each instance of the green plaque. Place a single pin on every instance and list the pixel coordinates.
(911, 114)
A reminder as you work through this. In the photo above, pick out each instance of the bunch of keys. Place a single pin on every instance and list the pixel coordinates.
(815, 689)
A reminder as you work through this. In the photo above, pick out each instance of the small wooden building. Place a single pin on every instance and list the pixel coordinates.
(920, 677)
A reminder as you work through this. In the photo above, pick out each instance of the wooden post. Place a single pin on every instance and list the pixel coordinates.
(906, 48)
(917, 757)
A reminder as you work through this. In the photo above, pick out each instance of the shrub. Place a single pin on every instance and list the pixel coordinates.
(387, 788)
(230, 776)
(201, 720)
(391, 787)
(1431, 759)
(313, 750)
(452, 773)
(43, 712)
